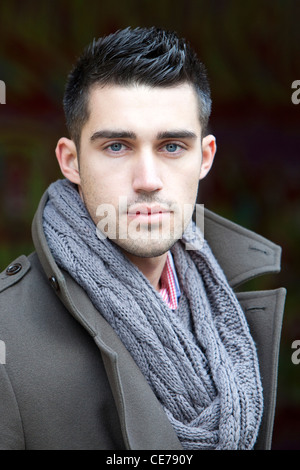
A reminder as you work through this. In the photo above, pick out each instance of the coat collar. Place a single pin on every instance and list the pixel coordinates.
(242, 254)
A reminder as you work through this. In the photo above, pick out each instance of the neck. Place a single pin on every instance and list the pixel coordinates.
(151, 267)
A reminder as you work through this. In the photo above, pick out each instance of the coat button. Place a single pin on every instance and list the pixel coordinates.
(54, 283)
(13, 269)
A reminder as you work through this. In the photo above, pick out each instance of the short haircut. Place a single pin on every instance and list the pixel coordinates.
(140, 56)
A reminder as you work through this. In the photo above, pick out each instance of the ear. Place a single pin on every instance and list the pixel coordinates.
(67, 157)
(209, 148)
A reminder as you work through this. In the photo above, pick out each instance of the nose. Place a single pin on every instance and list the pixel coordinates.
(146, 173)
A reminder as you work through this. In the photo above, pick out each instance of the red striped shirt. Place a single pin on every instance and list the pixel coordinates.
(169, 284)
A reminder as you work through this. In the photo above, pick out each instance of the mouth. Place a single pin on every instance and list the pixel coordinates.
(147, 213)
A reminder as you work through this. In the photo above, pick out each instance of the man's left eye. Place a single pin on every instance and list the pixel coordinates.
(172, 148)
(116, 147)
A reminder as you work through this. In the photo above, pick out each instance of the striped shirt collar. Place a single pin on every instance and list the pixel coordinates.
(169, 290)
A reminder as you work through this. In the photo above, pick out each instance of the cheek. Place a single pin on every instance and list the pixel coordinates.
(99, 190)
(187, 187)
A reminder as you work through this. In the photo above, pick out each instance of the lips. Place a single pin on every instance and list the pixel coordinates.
(146, 210)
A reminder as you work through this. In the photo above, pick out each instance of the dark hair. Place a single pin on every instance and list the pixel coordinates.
(148, 56)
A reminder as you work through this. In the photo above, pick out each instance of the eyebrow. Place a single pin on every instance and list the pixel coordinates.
(120, 134)
(176, 134)
(110, 134)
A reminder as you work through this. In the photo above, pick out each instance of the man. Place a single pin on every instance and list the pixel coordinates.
(122, 330)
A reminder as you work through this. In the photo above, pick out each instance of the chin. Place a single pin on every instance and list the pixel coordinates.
(145, 249)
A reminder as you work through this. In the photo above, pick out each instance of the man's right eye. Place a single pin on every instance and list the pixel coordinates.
(116, 147)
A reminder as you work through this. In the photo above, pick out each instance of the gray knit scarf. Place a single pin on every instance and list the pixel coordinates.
(206, 376)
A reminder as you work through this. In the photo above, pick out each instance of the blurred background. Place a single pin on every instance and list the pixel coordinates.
(251, 50)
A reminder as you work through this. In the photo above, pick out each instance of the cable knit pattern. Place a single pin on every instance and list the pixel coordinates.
(206, 376)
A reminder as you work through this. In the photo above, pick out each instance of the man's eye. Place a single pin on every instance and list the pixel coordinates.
(172, 148)
(116, 147)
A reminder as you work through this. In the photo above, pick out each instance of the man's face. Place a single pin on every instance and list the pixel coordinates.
(140, 163)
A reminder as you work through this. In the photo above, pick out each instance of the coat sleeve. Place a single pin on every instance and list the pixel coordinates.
(11, 429)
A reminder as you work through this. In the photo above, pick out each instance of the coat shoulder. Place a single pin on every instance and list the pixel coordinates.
(14, 273)
(22, 282)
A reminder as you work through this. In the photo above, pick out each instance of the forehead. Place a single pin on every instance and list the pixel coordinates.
(140, 107)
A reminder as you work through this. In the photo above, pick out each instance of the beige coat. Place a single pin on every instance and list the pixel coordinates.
(67, 381)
